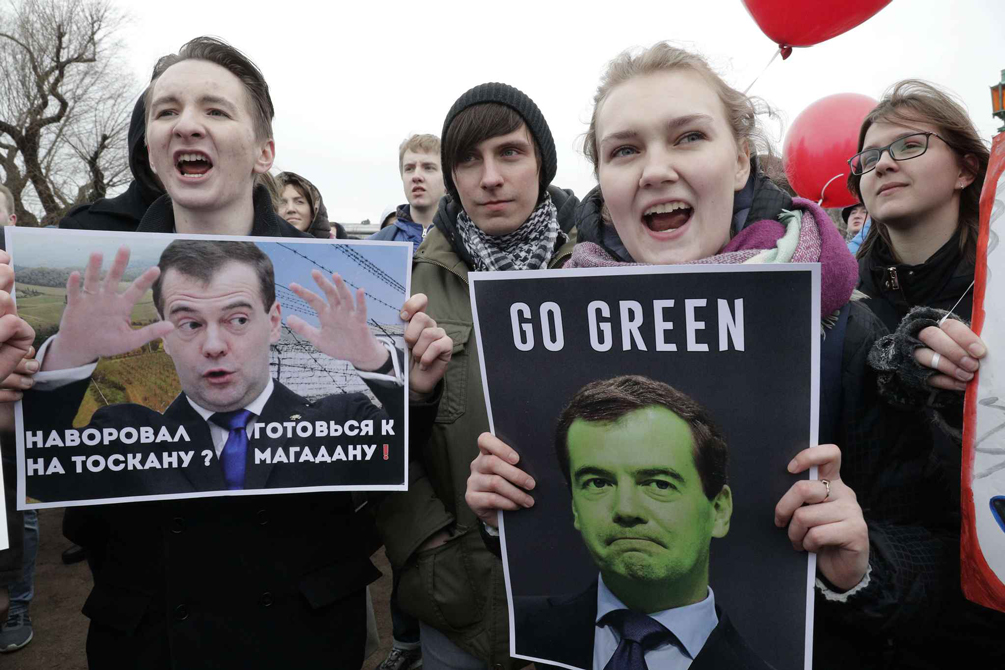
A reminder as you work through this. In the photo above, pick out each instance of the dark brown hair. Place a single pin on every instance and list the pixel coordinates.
(231, 59)
(481, 122)
(608, 400)
(303, 187)
(201, 260)
(916, 101)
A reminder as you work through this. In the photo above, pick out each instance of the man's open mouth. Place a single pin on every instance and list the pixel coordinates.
(217, 376)
(667, 216)
(193, 164)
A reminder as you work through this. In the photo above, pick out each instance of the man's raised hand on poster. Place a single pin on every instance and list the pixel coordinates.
(97, 319)
(344, 333)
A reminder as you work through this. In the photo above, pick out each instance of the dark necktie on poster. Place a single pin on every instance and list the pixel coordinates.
(639, 634)
(235, 450)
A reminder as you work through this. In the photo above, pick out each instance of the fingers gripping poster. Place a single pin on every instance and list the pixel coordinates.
(656, 409)
(179, 366)
(983, 499)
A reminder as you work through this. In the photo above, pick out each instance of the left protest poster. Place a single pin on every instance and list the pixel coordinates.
(235, 399)
(643, 508)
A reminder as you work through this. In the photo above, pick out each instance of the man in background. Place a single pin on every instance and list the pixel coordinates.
(422, 178)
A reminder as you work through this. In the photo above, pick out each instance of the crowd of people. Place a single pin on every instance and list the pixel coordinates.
(675, 151)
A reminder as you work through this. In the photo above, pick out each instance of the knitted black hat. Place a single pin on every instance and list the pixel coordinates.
(518, 101)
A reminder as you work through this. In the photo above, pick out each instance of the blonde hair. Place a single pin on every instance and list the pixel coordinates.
(420, 144)
(741, 110)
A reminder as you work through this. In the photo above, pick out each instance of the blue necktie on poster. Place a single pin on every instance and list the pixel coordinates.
(234, 455)
(639, 634)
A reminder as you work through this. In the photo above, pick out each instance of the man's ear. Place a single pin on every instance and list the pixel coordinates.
(722, 510)
(575, 517)
(150, 159)
(266, 156)
(164, 342)
(275, 322)
(742, 166)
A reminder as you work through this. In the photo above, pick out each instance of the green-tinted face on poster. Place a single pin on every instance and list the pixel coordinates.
(637, 500)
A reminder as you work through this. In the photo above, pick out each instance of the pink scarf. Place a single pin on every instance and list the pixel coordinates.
(819, 242)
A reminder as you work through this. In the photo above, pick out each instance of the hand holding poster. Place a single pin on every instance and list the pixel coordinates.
(983, 500)
(200, 367)
(658, 443)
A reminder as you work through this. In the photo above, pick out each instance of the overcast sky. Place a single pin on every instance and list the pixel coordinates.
(351, 80)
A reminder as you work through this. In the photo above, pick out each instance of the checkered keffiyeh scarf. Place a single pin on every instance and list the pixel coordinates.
(529, 247)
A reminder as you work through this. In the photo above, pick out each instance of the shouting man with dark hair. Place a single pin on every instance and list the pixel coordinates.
(233, 582)
(500, 213)
(648, 473)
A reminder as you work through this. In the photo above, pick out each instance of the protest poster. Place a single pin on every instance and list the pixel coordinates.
(250, 392)
(738, 347)
(4, 539)
(983, 478)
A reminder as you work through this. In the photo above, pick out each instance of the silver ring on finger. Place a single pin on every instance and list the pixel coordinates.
(84, 290)
(935, 360)
(827, 485)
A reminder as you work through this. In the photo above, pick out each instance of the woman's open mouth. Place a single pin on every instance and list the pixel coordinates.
(667, 216)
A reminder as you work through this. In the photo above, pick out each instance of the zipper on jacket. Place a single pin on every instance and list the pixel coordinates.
(892, 282)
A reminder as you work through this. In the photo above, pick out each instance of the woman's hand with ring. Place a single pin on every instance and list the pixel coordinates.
(954, 351)
(823, 516)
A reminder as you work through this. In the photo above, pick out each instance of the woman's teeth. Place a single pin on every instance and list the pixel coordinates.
(667, 216)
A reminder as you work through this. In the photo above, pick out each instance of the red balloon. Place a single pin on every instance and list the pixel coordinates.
(818, 145)
(803, 23)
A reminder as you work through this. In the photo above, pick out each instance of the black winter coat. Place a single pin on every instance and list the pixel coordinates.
(249, 581)
(943, 281)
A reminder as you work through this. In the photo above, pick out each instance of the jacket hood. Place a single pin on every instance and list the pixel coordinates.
(320, 226)
(564, 199)
(139, 161)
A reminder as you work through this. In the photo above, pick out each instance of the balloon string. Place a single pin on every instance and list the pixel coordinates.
(821, 200)
(777, 53)
(950, 312)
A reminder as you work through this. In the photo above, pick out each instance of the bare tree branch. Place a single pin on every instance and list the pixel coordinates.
(65, 106)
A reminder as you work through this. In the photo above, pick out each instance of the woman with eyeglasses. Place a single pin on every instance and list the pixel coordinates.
(672, 146)
(919, 171)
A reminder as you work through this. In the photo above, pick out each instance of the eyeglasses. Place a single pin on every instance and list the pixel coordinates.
(903, 149)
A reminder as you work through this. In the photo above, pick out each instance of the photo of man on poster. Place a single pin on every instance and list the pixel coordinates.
(647, 470)
(219, 317)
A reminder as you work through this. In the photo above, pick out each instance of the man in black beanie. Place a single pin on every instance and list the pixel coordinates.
(500, 213)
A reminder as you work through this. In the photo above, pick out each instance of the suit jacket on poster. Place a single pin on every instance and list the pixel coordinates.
(561, 629)
(231, 582)
(56, 409)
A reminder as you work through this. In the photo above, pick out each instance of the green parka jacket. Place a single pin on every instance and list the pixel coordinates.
(457, 587)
